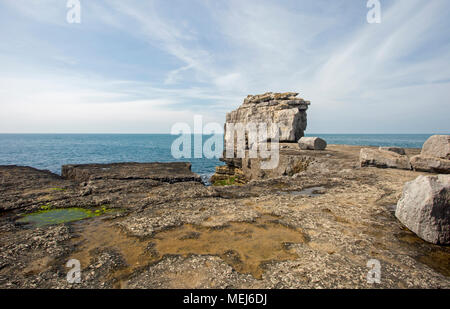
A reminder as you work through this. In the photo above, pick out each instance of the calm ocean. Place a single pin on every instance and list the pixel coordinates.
(50, 151)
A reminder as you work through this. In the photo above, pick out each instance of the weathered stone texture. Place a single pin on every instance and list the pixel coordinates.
(228, 173)
(284, 109)
(435, 155)
(342, 227)
(165, 172)
(383, 159)
(312, 143)
(424, 208)
(437, 146)
(423, 163)
(398, 150)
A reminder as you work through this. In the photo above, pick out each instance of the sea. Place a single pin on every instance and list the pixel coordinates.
(51, 151)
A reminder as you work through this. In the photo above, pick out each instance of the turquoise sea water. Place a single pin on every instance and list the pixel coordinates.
(50, 151)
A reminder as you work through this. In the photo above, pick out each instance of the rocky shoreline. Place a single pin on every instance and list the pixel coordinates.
(315, 222)
(317, 219)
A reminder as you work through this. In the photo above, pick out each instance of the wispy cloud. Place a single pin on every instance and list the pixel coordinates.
(158, 62)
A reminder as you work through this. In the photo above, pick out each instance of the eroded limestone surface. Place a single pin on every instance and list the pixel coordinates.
(187, 235)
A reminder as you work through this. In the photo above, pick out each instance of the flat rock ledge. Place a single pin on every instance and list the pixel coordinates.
(170, 172)
(188, 235)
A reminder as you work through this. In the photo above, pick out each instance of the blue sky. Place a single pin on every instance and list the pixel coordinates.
(141, 66)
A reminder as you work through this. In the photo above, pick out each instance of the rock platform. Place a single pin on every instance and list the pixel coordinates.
(312, 228)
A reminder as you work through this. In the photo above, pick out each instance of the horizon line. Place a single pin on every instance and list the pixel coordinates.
(134, 133)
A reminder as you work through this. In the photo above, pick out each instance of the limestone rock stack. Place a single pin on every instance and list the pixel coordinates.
(285, 109)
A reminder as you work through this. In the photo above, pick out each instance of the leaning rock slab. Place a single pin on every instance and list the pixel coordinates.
(437, 146)
(430, 164)
(424, 208)
(383, 159)
(312, 143)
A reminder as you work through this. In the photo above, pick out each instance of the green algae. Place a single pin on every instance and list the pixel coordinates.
(226, 182)
(48, 216)
(46, 206)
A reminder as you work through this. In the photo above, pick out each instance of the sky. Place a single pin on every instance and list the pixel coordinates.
(141, 66)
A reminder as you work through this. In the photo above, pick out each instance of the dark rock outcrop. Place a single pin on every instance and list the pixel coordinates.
(171, 172)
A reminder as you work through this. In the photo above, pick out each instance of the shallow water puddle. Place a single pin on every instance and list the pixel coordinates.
(244, 246)
(48, 216)
(56, 216)
(98, 235)
(437, 258)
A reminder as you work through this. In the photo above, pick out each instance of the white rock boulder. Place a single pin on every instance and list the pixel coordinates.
(424, 208)
(312, 143)
(437, 146)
